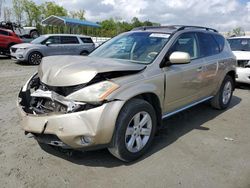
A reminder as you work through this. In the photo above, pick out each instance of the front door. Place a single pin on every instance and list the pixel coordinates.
(183, 82)
(54, 48)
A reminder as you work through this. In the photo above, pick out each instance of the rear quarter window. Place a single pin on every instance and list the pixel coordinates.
(220, 41)
(86, 40)
(208, 45)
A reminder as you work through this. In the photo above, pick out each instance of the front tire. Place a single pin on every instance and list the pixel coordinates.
(223, 97)
(35, 58)
(135, 129)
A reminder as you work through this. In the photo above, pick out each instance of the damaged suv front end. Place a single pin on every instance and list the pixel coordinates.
(72, 110)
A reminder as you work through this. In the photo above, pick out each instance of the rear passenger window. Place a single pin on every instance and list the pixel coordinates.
(208, 45)
(186, 43)
(86, 40)
(4, 33)
(69, 40)
(220, 41)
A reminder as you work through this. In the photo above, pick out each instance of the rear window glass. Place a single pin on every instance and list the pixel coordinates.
(220, 41)
(239, 44)
(4, 33)
(208, 45)
(69, 40)
(86, 40)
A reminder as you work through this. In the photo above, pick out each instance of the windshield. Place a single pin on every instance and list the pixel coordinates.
(38, 40)
(138, 47)
(240, 44)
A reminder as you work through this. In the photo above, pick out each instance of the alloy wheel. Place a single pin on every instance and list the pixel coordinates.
(138, 132)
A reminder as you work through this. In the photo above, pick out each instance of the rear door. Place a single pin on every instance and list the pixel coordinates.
(71, 45)
(210, 49)
(88, 44)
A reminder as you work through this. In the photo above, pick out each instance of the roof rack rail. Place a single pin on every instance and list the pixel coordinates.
(173, 27)
(197, 27)
(154, 27)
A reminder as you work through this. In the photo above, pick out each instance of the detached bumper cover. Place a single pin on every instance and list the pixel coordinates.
(97, 125)
(243, 75)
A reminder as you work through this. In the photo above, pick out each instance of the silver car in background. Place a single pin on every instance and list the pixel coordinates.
(53, 44)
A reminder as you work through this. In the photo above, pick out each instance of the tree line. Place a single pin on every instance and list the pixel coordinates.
(28, 13)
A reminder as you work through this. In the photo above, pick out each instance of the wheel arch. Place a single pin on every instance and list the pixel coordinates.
(85, 50)
(34, 30)
(152, 99)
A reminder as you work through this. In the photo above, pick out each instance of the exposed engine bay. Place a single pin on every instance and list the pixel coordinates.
(38, 98)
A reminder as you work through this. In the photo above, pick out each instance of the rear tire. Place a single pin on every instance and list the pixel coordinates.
(35, 58)
(34, 34)
(223, 97)
(135, 129)
(84, 53)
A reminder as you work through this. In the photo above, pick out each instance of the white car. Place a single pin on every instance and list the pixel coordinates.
(29, 32)
(241, 49)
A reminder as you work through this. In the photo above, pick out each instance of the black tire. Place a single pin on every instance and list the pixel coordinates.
(35, 58)
(119, 147)
(217, 101)
(34, 34)
(84, 53)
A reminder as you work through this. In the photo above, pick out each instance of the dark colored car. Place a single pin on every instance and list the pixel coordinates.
(7, 39)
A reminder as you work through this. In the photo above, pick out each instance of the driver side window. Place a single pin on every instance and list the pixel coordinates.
(186, 43)
(53, 40)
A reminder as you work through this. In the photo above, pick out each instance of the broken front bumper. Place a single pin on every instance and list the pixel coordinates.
(77, 130)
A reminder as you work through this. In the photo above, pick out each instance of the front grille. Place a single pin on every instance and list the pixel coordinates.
(243, 63)
(13, 50)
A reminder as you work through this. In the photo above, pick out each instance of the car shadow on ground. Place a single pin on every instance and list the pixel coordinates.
(23, 63)
(2, 57)
(243, 86)
(173, 128)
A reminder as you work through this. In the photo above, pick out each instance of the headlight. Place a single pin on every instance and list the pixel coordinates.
(20, 50)
(94, 93)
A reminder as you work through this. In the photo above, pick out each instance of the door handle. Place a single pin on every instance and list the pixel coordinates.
(199, 69)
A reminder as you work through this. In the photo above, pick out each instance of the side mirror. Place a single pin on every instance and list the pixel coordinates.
(48, 43)
(179, 58)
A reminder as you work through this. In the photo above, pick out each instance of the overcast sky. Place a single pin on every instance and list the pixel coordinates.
(220, 14)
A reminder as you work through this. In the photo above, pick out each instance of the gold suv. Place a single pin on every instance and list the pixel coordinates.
(118, 95)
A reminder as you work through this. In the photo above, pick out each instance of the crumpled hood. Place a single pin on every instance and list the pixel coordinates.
(74, 70)
(242, 55)
(24, 45)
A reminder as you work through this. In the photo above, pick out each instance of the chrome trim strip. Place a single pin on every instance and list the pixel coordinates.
(186, 107)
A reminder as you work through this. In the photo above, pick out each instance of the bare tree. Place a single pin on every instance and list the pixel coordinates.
(7, 13)
(18, 10)
(238, 31)
(1, 3)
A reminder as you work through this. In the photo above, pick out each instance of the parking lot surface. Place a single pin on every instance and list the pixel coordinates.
(200, 147)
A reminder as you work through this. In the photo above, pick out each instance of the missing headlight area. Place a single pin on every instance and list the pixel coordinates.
(36, 98)
(243, 63)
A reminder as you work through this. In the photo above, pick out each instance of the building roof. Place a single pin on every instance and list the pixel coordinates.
(59, 21)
